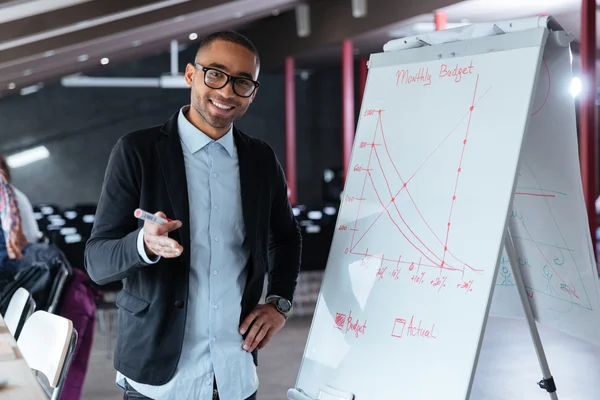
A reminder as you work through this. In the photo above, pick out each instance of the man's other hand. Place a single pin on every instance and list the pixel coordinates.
(157, 241)
(263, 322)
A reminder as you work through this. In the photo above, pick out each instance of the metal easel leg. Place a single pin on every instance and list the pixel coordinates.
(547, 383)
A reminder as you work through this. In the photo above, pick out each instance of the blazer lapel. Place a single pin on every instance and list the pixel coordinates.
(249, 183)
(172, 163)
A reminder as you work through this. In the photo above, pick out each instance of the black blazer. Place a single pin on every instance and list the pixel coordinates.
(146, 170)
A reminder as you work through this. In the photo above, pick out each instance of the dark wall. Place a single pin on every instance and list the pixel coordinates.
(80, 126)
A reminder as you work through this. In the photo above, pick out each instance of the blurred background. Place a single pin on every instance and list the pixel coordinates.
(75, 75)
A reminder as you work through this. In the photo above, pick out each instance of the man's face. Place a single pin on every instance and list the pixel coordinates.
(220, 107)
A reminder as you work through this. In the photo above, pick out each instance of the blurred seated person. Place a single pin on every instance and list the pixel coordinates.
(28, 221)
(12, 238)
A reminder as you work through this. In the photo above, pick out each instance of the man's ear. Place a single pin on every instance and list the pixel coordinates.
(190, 70)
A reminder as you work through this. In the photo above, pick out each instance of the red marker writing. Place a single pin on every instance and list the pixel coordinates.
(146, 216)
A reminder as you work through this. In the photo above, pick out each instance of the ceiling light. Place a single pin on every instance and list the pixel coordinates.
(31, 89)
(104, 61)
(315, 214)
(27, 156)
(83, 57)
(193, 36)
(303, 20)
(136, 43)
(11, 86)
(49, 53)
(238, 14)
(27, 72)
(275, 13)
(359, 8)
(329, 210)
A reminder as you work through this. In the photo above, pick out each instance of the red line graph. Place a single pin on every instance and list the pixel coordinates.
(431, 255)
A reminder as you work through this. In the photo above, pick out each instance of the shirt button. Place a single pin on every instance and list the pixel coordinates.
(214, 339)
(216, 206)
(216, 238)
(216, 306)
(215, 272)
(215, 175)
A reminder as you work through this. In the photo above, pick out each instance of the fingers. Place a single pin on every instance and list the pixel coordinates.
(247, 322)
(163, 246)
(266, 339)
(162, 242)
(161, 229)
(262, 323)
(161, 214)
(255, 336)
(169, 253)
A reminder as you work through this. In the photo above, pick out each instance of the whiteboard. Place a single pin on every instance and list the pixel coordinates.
(419, 233)
(549, 219)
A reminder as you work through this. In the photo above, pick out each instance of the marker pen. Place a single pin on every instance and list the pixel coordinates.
(146, 216)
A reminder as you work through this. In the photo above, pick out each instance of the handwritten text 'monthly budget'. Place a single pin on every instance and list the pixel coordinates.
(423, 76)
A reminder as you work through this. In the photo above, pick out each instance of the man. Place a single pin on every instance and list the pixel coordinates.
(189, 318)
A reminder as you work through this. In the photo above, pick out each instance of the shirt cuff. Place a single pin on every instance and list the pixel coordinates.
(142, 249)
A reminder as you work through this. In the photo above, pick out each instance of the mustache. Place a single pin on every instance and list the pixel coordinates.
(223, 100)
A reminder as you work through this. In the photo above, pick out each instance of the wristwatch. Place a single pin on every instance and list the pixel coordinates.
(282, 305)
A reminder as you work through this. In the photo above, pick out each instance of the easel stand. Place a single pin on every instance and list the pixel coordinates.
(547, 382)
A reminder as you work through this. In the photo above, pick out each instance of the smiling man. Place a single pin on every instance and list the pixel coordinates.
(190, 322)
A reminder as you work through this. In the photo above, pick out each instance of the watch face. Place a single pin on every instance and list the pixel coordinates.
(283, 305)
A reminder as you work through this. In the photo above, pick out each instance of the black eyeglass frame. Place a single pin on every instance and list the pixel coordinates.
(229, 78)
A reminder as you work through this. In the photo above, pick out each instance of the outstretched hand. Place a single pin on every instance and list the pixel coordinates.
(261, 324)
(157, 241)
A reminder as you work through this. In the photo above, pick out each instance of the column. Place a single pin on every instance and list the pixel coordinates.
(440, 20)
(290, 128)
(587, 112)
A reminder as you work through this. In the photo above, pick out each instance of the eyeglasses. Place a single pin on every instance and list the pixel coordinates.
(217, 79)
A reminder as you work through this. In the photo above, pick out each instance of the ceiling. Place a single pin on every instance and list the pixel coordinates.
(566, 12)
(44, 40)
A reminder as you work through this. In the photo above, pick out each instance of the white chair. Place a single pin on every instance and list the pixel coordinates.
(47, 342)
(20, 307)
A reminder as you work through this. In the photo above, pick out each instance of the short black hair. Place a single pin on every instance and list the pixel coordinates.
(230, 36)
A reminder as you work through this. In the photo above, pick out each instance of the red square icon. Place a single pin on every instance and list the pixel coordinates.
(340, 321)
(398, 329)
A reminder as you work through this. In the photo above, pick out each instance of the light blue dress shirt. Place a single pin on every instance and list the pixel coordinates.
(212, 344)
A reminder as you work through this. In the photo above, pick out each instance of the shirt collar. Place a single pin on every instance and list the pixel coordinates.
(194, 139)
